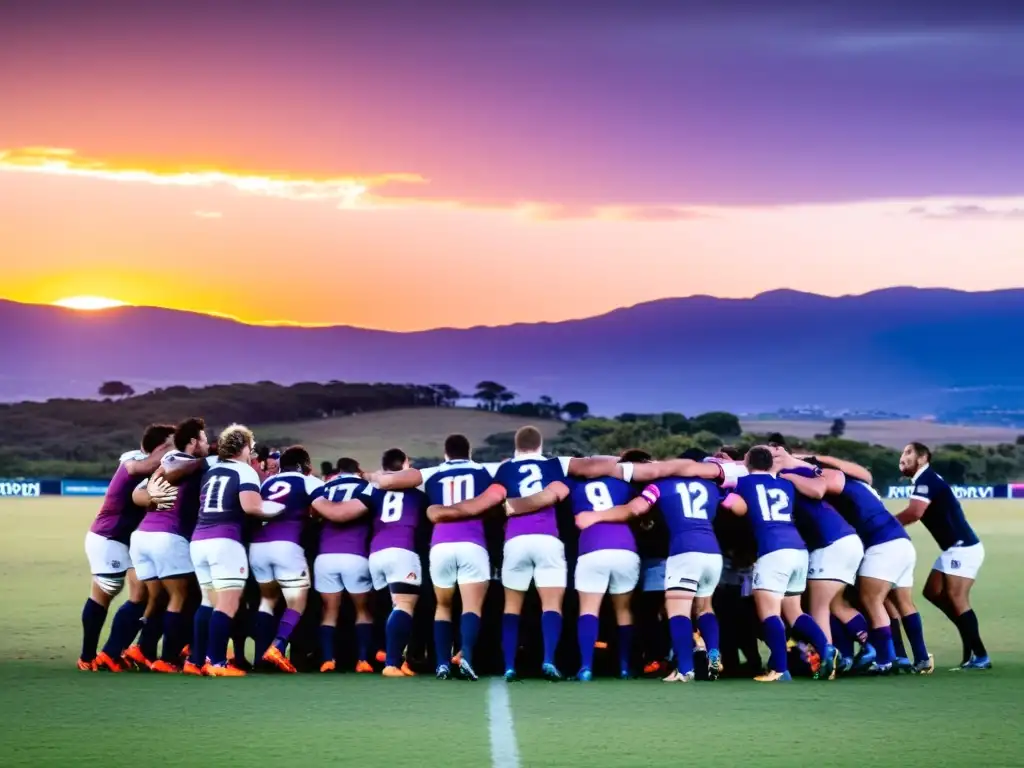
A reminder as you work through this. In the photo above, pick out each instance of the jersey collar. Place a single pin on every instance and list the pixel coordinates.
(531, 455)
(919, 472)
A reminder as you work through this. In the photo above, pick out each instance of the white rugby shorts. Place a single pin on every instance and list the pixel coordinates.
(838, 561)
(891, 561)
(337, 572)
(280, 561)
(961, 561)
(783, 572)
(652, 574)
(697, 572)
(612, 571)
(395, 565)
(536, 557)
(106, 556)
(160, 555)
(220, 563)
(458, 562)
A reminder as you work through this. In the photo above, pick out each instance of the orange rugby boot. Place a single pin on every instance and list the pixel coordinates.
(278, 659)
(654, 668)
(601, 645)
(328, 666)
(186, 651)
(211, 670)
(164, 667)
(457, 659)
(393, 672)
(407, 670)
(104, 662)
(86, 666)
(364, 667)
(381, 657)
(134, 657)
(192, 669)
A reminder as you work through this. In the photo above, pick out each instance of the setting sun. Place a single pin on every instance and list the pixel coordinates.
(88, 302)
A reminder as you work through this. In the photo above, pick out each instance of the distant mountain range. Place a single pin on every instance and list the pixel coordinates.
(904, 350)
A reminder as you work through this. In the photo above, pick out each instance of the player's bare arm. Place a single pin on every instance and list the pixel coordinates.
(735, 504)
(851, 468)
(402, 480)
(552, 494)
(253, 504)
(835, 481)
(593, 467)
(621, 513)
(490, 498)
(658, 470)
(339, 511)
(811, 487)
(182, 468)
(147, 466)
(914, 512)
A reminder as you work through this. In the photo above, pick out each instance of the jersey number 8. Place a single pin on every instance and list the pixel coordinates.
(391, 507)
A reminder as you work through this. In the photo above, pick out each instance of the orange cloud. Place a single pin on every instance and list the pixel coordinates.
(348, 191)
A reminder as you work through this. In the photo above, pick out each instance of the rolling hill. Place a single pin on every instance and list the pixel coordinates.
(892, 434)
(420, 432)
(906, 350)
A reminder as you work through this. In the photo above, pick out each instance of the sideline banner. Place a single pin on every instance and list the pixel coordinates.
(966, 492)
(83, 487)
(20, 488)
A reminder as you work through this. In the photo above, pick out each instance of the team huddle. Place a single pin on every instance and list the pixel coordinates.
(805, 540)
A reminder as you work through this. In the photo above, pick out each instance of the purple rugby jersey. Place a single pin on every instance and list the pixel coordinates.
(769, 502)
(396, 517)
(220, 510)
(296, 492)
(597, 496)
(344, 538)
(452, 482)
(180, 518)
(525, 475)
(817, 521)
(688, 506)
(118, 515)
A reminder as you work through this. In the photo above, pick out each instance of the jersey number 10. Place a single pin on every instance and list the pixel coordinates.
(456, 488)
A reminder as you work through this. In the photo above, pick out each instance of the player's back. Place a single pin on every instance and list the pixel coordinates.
(769, 502)
(396, 515)
(688, 507)
(525, 475)
(817, 521)
(862, 508)
(596, 496)
(944, 518)
(118, 515)
(295, 491)
(221, 515)
(344, 538)
(450, 483)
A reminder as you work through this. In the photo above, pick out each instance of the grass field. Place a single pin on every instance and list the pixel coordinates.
(893, 434)
(51, 714)
(417, 431)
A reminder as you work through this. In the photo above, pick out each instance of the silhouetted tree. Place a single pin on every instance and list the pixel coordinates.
(489, 393)
(838, 428)
(116, 389)
(576, 410)
(719, 422)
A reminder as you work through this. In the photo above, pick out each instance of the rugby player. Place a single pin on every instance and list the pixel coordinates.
(343, 565)
(110, 563)
(949, 584)
(780, 573)
(458, 549)
(230, 492)
(393, 562)
(887, 569)
(276, 556)
(533, 552)
(160, 545)
(835, 555)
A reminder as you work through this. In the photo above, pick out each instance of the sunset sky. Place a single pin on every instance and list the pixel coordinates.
(408, 165)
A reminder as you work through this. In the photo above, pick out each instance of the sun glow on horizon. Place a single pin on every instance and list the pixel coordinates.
(88, 303)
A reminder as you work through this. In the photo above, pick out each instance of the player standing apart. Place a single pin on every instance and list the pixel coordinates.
(949, 584)
(106, 547)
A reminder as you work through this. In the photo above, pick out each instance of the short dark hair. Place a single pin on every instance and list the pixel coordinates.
(635, 456)
(694, 454)
(187, 431)
(296, 459)
(456, 447)
(393, 459)
(262, 452)
(759, 459)
(922, 450)
(777, 438)
(155, 436)
(326, 468)
(347, 466)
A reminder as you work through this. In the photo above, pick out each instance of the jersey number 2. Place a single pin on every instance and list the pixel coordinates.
(533, 482)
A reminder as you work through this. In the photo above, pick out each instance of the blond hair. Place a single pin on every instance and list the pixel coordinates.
(233, 440)
(528, 440)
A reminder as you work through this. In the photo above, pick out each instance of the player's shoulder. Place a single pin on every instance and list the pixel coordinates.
(135, 455)
(241, 470)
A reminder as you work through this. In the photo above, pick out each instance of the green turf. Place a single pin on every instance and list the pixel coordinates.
(55, 715)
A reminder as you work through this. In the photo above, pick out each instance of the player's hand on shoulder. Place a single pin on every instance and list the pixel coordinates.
(161, 493)
(586, 519)
(560, 489)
